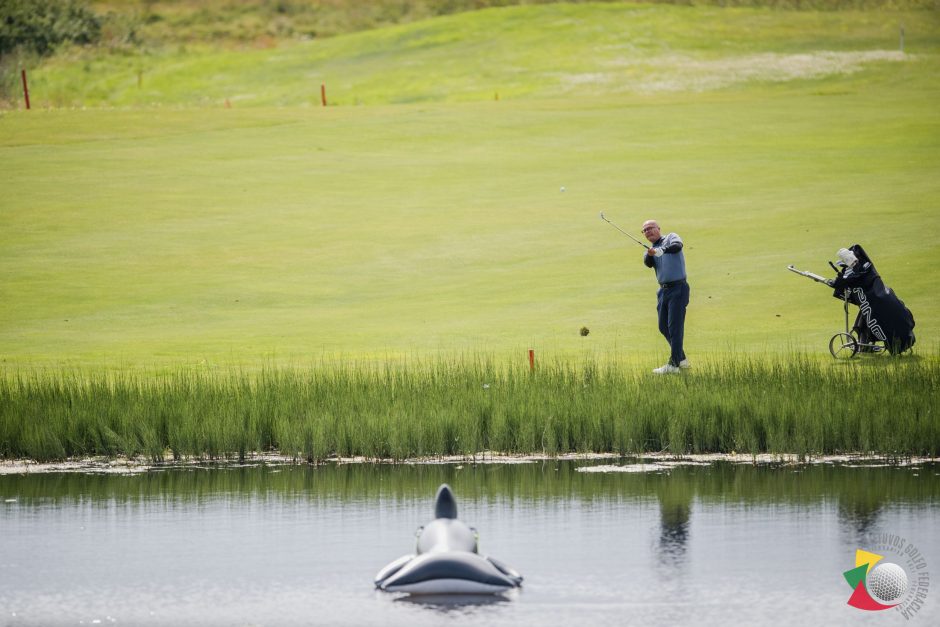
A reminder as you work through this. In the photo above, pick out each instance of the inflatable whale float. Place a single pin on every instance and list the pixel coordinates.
(446, 561)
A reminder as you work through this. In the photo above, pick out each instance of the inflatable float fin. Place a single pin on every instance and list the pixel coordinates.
(504, 569)
(445, 505)
(391, 569)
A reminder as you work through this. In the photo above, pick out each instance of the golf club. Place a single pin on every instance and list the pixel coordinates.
(622, 231)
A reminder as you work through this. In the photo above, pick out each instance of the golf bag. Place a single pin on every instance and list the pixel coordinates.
(881, 314)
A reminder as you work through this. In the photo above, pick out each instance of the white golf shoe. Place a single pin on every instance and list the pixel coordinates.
(685, 363)
(667, 369)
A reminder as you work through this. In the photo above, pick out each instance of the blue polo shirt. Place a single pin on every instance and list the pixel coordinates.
(671, 266)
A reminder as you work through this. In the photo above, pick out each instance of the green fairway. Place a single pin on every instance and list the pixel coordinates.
(175, 236)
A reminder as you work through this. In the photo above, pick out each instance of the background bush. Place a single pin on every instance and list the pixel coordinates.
(41, 25)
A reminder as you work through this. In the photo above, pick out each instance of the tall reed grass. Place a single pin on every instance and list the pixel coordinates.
(748, 405)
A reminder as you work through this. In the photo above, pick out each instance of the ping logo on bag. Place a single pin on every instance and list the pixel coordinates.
(865, 310)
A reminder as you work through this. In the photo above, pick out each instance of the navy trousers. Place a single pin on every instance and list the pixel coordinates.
(670, 304)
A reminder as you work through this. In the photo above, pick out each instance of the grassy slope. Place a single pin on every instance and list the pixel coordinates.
(167, 236)
(542, 51)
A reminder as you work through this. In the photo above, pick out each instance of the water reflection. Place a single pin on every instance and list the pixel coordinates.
(860, 492)
(456, 604)
(675, 511)
(859, 516)
(298, 545)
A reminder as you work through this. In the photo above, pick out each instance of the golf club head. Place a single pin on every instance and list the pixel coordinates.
(602, 216)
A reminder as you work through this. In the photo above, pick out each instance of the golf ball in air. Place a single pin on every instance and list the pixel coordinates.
(887, 583)
(563, 188)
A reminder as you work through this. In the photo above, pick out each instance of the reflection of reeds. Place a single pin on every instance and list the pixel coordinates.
(746, 405)
(860, 492)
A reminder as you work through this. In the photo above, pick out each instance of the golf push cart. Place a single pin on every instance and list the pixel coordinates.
(883, 322)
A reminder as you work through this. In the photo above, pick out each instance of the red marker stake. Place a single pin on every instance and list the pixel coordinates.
(323, 93)
(25, 88)
(531, 359)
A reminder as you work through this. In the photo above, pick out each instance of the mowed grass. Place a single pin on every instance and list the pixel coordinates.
(211, 236)
(140, 238)
(748, 406)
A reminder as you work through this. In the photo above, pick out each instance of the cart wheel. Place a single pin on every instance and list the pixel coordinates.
(843, 346)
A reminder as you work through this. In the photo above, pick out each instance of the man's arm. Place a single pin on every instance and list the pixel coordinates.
(672, 244)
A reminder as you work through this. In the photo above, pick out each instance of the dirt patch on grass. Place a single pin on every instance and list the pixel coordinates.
(674, 73)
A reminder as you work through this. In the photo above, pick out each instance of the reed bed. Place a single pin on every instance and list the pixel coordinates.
(796, 404)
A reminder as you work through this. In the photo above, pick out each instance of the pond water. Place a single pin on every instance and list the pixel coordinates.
(709, 544)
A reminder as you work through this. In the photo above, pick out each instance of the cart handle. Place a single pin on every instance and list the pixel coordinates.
(810, 275)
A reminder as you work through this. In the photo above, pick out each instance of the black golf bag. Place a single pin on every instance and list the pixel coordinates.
(881, 314)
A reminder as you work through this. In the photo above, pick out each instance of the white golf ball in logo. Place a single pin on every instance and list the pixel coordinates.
(887, 583)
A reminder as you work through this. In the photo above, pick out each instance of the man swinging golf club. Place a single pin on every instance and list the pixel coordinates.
(666, 256)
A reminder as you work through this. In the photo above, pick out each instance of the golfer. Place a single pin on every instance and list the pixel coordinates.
(666, 256)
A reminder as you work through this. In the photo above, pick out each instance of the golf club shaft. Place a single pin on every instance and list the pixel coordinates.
(622, 231)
